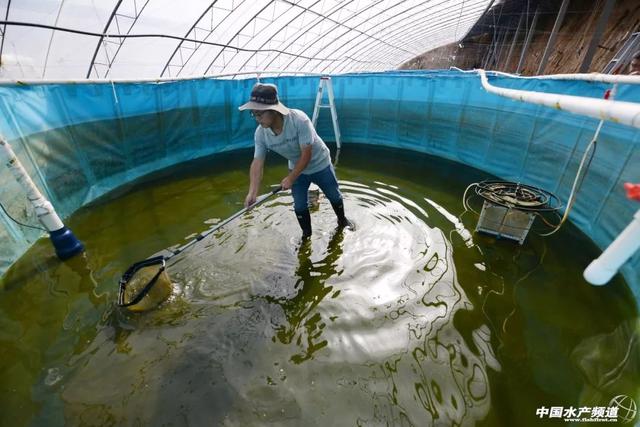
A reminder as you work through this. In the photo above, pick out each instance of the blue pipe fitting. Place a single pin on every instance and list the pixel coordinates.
(65, 243)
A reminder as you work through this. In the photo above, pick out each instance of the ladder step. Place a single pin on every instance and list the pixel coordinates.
(324, 106)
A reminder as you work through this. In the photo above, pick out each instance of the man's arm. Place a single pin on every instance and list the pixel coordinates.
(301, 164)
(255, 178)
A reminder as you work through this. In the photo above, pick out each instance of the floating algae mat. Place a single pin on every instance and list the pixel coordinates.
(408, 320)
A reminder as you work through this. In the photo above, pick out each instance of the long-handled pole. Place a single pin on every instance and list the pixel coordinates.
(201, 236)
(153, 271)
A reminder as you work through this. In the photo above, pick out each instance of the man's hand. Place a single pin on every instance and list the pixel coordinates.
(286, 183)
(249, 200)
(255, 176)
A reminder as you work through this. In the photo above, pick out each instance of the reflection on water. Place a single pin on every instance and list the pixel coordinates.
(369, 318)
(608, 360)
(409, 320)
(310, 290)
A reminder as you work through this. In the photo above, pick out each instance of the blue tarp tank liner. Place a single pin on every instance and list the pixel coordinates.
(81, 140)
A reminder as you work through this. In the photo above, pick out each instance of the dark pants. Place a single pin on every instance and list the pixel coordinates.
(325, 179)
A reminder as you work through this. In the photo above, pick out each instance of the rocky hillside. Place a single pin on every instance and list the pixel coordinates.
(571, 45)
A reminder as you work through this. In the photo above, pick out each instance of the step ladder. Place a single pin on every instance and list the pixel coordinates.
(623, 56)
(325, 82)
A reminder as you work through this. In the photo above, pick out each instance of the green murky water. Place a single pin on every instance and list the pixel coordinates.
(404, 321)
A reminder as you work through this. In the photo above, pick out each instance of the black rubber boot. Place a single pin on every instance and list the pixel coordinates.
(304, 219)
(343, 222)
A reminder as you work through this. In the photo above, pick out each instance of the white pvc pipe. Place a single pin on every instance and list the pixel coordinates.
(43, 208)
(591, 77)
(587, 77)
(602, 269)
(627, 113)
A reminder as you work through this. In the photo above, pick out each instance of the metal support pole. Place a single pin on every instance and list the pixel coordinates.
(597, 35)
(4, 30)
(104, 31)
(493, 52)
(528, 41)
(501, 49)
(553, 37)
(487, 56)
(513, 42)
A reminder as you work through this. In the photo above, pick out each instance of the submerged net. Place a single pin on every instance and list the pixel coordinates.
(144, 285)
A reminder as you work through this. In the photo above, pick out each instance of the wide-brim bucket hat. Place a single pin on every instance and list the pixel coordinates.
(264, 96)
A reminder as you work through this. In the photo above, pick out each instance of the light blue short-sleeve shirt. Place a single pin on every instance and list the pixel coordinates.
(297, 132)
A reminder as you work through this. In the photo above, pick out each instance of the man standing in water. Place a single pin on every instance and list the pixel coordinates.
(290, 133)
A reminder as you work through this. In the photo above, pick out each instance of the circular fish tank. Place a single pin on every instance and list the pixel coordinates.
(410, 319)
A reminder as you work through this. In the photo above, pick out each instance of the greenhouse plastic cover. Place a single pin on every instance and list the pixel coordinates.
(64, 39)
(79, 141)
